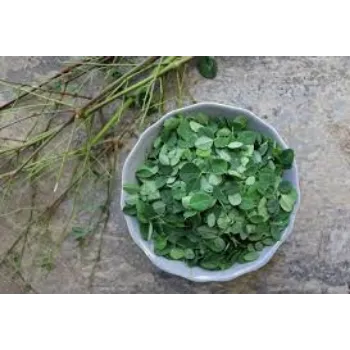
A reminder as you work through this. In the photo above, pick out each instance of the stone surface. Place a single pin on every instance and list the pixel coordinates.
(307, 100)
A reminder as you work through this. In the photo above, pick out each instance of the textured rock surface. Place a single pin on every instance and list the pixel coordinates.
(308, 101)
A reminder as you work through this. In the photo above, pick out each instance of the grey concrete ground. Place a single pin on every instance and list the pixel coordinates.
(308, 101)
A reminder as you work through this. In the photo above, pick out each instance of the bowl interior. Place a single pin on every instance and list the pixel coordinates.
(138, 155)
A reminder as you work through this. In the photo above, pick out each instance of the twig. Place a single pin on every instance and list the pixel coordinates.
(58, 75)
(117, 82)
(170, 67)
(50, 137)
(64, 93)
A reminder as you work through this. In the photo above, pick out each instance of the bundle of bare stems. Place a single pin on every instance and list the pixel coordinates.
(65, 125)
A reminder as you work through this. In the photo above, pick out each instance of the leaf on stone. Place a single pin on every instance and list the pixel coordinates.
(207, 67)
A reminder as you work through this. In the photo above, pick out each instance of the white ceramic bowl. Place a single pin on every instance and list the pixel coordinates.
(139, 154)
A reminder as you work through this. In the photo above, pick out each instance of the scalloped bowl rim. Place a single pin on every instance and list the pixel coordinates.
(179, 268)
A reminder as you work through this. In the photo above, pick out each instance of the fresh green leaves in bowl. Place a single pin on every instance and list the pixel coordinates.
(211, 192)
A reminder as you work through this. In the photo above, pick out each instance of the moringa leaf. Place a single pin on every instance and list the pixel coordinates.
(201, 201)
(204, 143)
(211, 192)
(235, 199)
(207, 67)
(131, 188)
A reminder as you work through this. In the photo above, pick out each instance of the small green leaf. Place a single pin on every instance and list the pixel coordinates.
(204, 143)
(287, 201)
(250, 180)
(160, 181)
(189, 254)
(207, 67)
(132, 199)
(189, 171)
(195, 126)
(163, 156)
(159, 207)
(171, 124)
(250, 228)
(157, 142)
(207, 232)
(268, 241)
(160, 243)
(201, 201)
(205, 185)
(247, 137)
(224, 132)
(235, 199)
(235, 144)
(177, 253)
(222, 142)
(256, 219)
(131, 188)
(285, 187)
(234, 173)
(186, 202)
(217, 244)
(248, 150)
(211, 220)
(251, 256)
(203, 153)
(257, 157)
(259, 246)
(263, 148)
(219, 166)
(130, 210)
(175, 156)
(209, 264)
(251, 247)
(171, 180)
(287, 158)
(190, 213)
(224, 155)
(179, 190)
(215, 179)
(262, 208)
(184, 130)
(272, 206)
(247, 203)
(145, 171)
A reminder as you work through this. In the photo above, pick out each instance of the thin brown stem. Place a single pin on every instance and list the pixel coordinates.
(139, 84)
(63, 93)
(61, 73)
(118, 82)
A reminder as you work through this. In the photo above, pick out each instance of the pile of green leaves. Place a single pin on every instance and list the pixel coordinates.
(211, 192)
